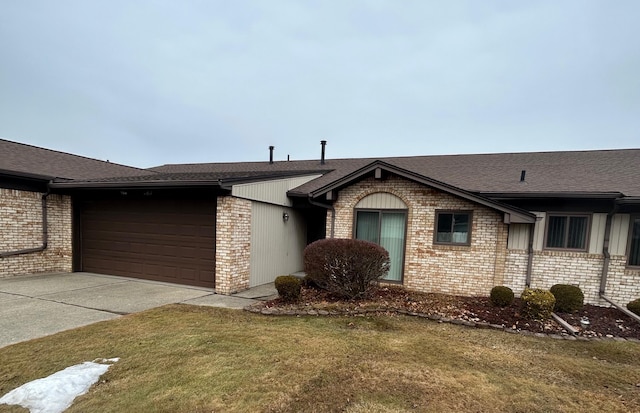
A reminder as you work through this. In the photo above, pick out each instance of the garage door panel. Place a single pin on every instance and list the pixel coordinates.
(165, 240)
(188, 274)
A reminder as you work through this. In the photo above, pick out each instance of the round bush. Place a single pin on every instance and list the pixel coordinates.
(501, 296)
(348, 268)
(537, 303)
(288, 287)
(569, 298)
(634, 306)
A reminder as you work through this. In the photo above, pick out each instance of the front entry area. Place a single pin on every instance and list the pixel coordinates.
(171, 240)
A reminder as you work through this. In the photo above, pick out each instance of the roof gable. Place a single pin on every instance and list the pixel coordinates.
(512, 214)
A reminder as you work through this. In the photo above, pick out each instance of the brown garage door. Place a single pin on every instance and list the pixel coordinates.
(163, 240)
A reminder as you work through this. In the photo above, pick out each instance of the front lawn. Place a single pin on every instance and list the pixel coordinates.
(182, 358)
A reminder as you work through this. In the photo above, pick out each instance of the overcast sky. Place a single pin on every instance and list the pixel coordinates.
(151, 82)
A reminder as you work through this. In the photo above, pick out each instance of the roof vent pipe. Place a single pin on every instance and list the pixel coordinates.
(323, 143)
(271, 154)
(522, 174)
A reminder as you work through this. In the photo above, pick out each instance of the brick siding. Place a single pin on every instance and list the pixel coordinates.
(21, 223)
(465, 270)
(623, 284)
(233, 244)
(575, 268)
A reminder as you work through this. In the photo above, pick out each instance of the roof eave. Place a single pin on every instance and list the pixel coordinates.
(142, 184)
(25, 175)
(630, 200)
(551, 195)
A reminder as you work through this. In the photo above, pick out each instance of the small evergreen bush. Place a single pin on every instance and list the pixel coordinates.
(501, 296)
(634, 306)
(348, 268)
(288, 287)
(537, 303)
(569, 298)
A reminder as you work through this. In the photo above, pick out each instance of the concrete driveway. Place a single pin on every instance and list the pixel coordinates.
(33, 306)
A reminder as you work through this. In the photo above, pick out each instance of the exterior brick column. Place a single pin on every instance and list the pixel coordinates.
(233, 244)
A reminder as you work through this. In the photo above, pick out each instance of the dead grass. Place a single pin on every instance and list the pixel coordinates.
(183, 358)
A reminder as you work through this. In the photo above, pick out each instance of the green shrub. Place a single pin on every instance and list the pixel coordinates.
(569, 298)
(288, 287)
(501, 296)
(634, 306)
(537, 303)
(347, 268)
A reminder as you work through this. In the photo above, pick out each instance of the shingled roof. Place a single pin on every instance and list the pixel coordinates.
(576, 172)
(27, 159)
(586, 172)
(178, 179)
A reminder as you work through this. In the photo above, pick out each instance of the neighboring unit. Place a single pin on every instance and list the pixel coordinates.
(457, 224)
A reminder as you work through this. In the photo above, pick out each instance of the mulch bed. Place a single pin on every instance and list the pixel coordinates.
(603, 322)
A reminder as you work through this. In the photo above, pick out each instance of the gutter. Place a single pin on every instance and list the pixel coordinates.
(25, 175)
(621, 308)
(564, 324)
(127, 185)
(605, 250)
(45, 233)
(629, 200)
(529, 256)
(333, 213)
(545, 195)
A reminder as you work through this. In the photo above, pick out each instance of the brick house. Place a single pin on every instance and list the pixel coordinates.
(457, 224)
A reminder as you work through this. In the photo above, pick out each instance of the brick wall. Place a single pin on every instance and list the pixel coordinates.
(233, 244)
(515, 270)
(575, 268)
(21, 228)
(562, 267)
(465, 270)
(623, 284)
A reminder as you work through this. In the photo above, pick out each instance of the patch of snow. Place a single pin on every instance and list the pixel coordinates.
(113, 360)
(55, 393)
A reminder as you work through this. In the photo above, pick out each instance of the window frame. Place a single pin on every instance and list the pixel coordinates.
(632, 218)
(437, 214)
(380, 211)
(567, 215)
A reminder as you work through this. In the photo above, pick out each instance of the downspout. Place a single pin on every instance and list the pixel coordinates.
(333, 213)
(527, 281)
(605, 250)
(45, 232)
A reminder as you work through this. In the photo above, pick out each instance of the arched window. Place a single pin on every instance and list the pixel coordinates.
(382, 218)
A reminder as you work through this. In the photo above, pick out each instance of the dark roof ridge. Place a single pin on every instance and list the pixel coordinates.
(74, 155)
(397, 157)
(522, 152)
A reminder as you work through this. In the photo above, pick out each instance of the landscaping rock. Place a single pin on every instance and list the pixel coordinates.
(464, 311)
